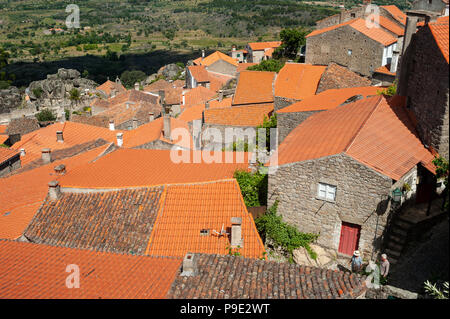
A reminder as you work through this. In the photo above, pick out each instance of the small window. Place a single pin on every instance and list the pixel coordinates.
(349, 52)
(327, 192)
(204, 232)
(238, 55)
(352, 15)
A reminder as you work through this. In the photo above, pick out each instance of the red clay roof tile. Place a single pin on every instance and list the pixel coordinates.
(245, 115)
(254, 87)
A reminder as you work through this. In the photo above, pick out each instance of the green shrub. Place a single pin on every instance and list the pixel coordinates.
(271, 225)
(45, 115)
(253, 187)
(37, 92)
(271, 65)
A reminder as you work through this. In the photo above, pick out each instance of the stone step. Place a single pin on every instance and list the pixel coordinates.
(394, 246)
(399, 232)
(405, 225)
(393, 253)
(392, 260)
(398, 239)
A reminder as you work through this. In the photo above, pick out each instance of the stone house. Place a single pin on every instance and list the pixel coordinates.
(423, 80)
(218, 62)
(260, 51)
(128, 96)
(288, 118)
(352, 44)
(198, 75)
(20, 127)
(9, 161)
(337, 76)
(337, 170)
(110, 88)
(438, 6)
(239, 55)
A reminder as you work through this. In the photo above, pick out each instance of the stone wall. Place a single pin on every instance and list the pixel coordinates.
(281, 102)
(209, 143)
(333, 46)
(223, 67)
(286, 122)
(360, 193)
(424, 81)
(155, 145)
(10, 165)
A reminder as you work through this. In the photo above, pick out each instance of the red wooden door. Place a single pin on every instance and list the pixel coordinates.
(349, 238)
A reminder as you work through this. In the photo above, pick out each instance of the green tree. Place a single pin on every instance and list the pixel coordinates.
(253, 187)
(442, 172)
(271, 65)
(291, 40)
(129, 78)
(4, 56)
(74, 95)
(45, 115)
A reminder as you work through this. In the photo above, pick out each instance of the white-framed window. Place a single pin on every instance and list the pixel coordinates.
(326, 191)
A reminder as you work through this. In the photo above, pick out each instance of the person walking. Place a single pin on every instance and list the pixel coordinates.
(384, 266)
(356, 261)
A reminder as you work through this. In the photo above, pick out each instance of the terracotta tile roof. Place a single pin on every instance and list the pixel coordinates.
(298, 80)
(339, 77)
(178, 83)
(217, 81)
(214, 57)
(243, 66)
(254, 87)
(246, 115)
(390, 25)
(358, 24)
(38, 272)
(364, 130)
(215, 104)
(329, 99)
(195, 112)
(97, 102)
(385, 70)
(133, 96)
(113, 221)
(6, 154)
(73, 133)
(269, 52)
(257, 46)
(160, 84)
(190, 208)
(121, 114)
(198, 95)
(22, 194)
(3, 129)
(108, 86)
(22, 126)
(96, 120)
(141, 167)
(440, 31)
(199, 73)
(3, 138)
(154, 131)
(398, 14)
(225, 277)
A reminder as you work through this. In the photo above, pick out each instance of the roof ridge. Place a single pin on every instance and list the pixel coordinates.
(362, 124)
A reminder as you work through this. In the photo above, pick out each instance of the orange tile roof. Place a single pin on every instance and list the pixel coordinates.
(39, 272)
(139, 167)
(74, 133)
(198, 95)
(398, 14)
(217, 81)
(215, 104)
(243, 66)
(385, 70)
(298, 81)
(254, 87)
(390, 25)
(160, 84)
(6, 154)
(3, 129)
(214, 57)
(190, 208)
(108, 86)
(3, 138)
(246, 115)
(371, 131)
(132, 96)
(329, 99)
(22, 194)
(195, 112)
(440, 31)
(154, 131)
(257, 46)
(174, 96)
(121, 114)
(269, 52)
(358, 24)
(199, 73)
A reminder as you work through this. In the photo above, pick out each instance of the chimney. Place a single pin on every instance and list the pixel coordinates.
(151, 116)
(410, 29)
(111, 125)
(59, 136)
(54, 191)
(119, 137)
(167, 126)
(220, 95)
(136, 86)
(207, 105)
(63, 115)
(203, 53)
(60, 169)
(127, 105)
(234, 48)
(184, 98)
(162, 96)
(46, 155)
(236, 232)
(189, 265)
(135, 123)
(22, 152)
(113, 92)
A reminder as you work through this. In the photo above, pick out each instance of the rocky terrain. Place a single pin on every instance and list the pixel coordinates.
(10, 99)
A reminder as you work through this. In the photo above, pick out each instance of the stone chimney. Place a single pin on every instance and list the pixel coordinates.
(111, 125)
(189, 265)
(46, 155)
(60, 169)
(54, 191)
(136, 86)
(203, 53)
(220, 95)
(151, 116)
(162, 97)
(119, 137)
(22, 152)
(233, 48)
(183, 98)
(135, 123)
(59, 136)
(236, 232)
(166, 126)
(207, 105)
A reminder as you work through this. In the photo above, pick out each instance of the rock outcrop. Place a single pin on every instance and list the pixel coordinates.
(10, 99)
